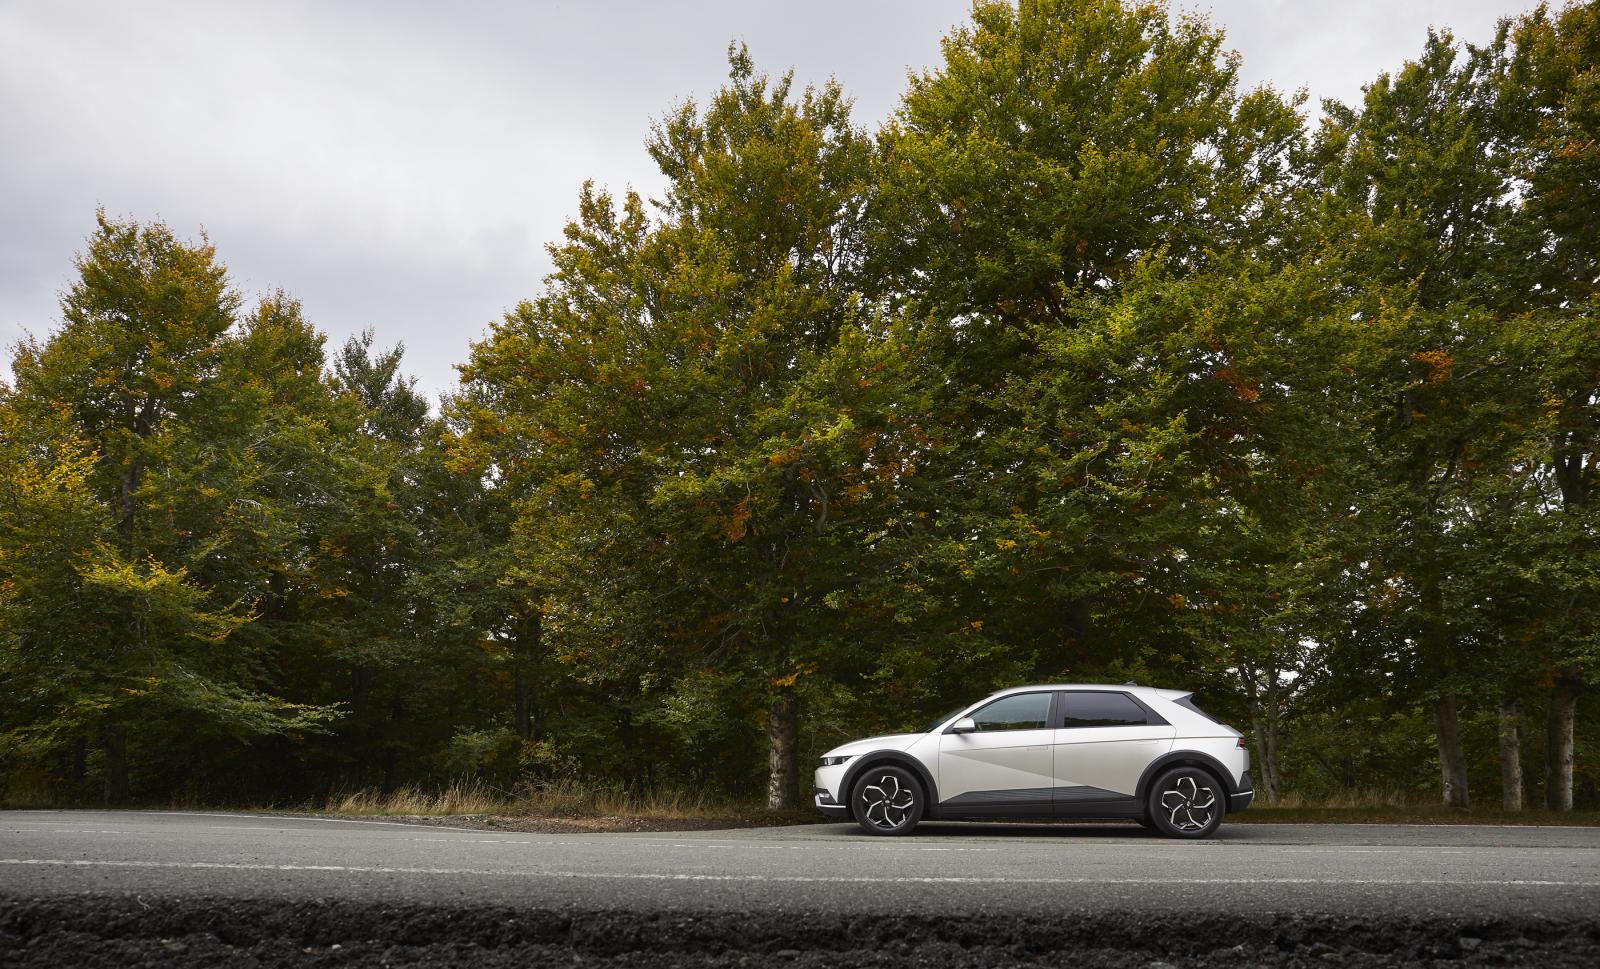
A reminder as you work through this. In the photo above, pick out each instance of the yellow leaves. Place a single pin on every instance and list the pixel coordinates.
(786, 457)
(1005, 544)
(739, 524)
(1177, 600)
(1242, 388)
(1438, 362)
(804, 669)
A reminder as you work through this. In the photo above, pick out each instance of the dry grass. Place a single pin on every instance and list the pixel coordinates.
(563, 805)
(1366, 798)
(1393, 806)
(557, 798)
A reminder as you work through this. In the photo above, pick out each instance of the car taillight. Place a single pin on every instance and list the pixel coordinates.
(1241, 743)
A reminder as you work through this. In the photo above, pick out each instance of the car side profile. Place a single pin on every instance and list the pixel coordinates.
(1064, 750)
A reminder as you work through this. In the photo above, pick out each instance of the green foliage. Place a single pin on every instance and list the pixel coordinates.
(1087, 365)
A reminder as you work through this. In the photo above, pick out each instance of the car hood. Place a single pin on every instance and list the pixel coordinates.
(893, 741)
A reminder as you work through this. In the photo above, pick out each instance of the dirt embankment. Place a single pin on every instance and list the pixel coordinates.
(121, 932)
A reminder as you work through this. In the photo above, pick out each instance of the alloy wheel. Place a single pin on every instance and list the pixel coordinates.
(1189, 804)
(886, 803)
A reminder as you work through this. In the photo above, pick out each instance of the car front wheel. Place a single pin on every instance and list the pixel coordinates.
(1186, 802)
(887, 800)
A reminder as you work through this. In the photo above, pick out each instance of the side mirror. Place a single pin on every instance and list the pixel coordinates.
(964, 725)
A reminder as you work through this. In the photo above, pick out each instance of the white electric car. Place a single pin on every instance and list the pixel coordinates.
(1080, 750)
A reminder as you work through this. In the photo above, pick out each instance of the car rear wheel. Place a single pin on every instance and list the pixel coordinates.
(887, 800)
(1186, 802)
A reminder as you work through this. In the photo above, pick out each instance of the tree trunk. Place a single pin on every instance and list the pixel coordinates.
(78, 767)
(783, 775)
(523, 715)
(630, 753)
(114, 745)
(1438, 650)
(1510, 755)
(1269, 750)
(126, 506)
(1452, 758)
(1558, 744)
(1267, 761)
(1264, 727)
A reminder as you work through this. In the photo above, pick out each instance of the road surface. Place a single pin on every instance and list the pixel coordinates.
(1435, 892)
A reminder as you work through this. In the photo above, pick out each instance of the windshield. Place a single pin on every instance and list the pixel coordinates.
(940, 720)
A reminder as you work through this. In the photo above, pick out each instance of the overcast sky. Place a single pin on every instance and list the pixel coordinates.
(402, 165)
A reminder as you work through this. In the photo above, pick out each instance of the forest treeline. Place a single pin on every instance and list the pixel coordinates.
(1088, 364)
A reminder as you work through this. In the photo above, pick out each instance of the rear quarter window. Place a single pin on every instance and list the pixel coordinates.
(1187, 702)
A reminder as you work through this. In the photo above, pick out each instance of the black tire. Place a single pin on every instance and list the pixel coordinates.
(1186, 802)
(887, 800)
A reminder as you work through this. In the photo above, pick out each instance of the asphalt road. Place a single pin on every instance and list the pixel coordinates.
(1339, 877)
(942, 867)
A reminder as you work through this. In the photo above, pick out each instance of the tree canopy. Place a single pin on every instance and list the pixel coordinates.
(1088, 363)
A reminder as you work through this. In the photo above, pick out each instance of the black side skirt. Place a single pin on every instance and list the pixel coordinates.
(1041, 802)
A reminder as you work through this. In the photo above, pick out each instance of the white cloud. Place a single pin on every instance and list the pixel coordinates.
(402, 166)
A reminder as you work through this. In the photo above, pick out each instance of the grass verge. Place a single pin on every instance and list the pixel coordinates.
(561, 806)
(564, 806)
(1413, 814)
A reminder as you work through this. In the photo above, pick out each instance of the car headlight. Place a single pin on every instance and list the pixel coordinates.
(836, 761)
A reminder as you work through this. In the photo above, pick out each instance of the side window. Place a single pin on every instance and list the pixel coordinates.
(1102, 709)
(1020, 711)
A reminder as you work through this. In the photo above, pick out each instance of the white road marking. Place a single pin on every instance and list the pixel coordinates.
(1063, 845)
(610, 843)
(803, 879)
(289, 817)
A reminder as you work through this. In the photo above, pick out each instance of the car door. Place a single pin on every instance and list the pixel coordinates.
(1004, 766)
(1104, 739)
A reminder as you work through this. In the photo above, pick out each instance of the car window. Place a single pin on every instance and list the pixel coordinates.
(1187, 702)
(1103, 709)
(1020, 711)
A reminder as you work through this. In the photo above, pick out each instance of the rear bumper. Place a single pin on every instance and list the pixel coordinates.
(1242, 798)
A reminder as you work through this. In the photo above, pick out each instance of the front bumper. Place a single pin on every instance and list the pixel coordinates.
(829, 781)
(831, 808)
(1243, 797)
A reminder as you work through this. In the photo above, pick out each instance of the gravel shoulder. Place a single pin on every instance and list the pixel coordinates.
(127, 931)
(589, 824)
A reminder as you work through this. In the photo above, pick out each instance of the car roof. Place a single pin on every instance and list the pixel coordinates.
(1136, 688)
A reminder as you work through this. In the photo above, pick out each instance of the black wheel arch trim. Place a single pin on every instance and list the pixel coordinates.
(1186, 758)
(896, 758)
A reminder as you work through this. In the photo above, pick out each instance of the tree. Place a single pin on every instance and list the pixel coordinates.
(144, 332)
(1423, 170)
(1552, 94)
(683, 407)
(1063, 209)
